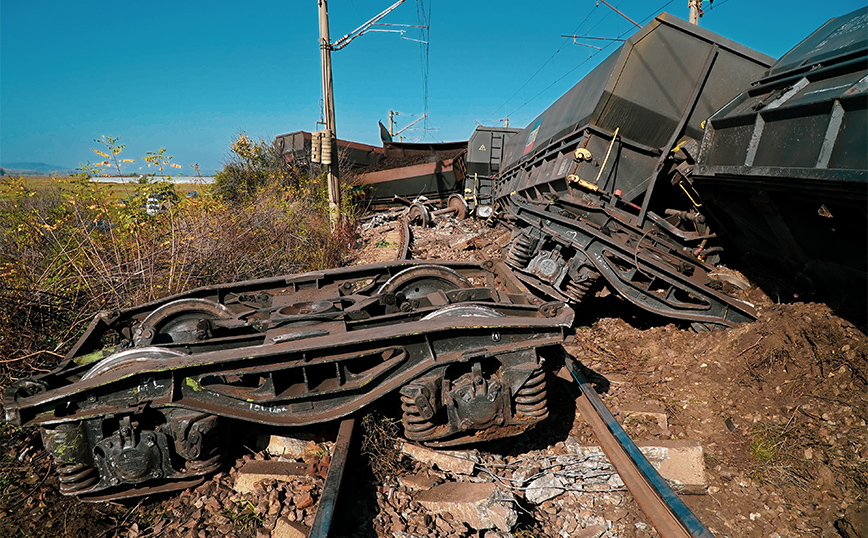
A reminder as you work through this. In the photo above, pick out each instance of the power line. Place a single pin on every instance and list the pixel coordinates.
(541, 66)
(653, 13)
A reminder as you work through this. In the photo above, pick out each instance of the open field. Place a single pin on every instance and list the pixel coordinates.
(114, 191)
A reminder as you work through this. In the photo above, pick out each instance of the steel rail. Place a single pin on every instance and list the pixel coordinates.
(667, 513)
(404, 246)
(328, 501)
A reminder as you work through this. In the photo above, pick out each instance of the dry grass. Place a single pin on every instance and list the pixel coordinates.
(381, 445)
(67, 253)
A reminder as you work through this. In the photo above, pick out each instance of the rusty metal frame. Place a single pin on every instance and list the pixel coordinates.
(459, 341)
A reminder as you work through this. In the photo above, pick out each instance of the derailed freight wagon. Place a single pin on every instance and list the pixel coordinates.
(435, 170)
(591, 185)
(782, 168)
(404, 169)
(610, 184)
(146, 400)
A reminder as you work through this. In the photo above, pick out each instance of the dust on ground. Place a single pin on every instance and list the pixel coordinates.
(778, 405)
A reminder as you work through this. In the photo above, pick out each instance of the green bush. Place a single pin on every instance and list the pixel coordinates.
(251, 167)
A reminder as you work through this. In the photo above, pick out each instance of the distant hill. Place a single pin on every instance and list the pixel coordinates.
(29, 169)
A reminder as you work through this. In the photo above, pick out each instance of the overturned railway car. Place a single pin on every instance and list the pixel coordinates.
(681, 143)
(782, 171)
(591, 185)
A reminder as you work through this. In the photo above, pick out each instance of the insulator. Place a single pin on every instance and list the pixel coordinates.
(315, 147)
(327, 141)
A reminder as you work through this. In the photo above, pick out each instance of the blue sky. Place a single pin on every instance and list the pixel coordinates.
(187, 76)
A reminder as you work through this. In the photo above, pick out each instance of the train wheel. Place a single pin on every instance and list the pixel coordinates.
(421, 280)
(456, 203)
(184, 320)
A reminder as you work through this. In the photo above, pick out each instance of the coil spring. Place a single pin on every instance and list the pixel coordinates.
(520, 251)
(414, 424)
(530, 400)
(578, 291)
(75, 477)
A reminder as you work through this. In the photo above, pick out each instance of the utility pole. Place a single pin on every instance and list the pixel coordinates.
(329, 154)
(392, 132)
(328, 97)
(695, 11)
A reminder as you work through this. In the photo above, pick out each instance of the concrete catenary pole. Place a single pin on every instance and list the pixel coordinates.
(332, 172)
(695, 8)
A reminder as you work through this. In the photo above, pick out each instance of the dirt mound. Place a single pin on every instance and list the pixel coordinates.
(779, 406)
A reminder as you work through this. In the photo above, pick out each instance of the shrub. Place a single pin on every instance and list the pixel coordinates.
(71, 250)
(252, 166)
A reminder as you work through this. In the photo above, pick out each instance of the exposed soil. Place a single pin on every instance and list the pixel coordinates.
(778, 405)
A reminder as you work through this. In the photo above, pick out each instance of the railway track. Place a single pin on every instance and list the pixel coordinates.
(331, 493)
(664, 509)
(666, 512)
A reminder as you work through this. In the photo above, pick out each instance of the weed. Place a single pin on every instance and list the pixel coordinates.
(381, 445)
(383, 243)
(764, 445)
(243, 516)
(72, 250)
(775, 449)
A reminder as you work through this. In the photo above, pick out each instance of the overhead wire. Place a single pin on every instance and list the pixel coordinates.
(541, 67)
(593, 54)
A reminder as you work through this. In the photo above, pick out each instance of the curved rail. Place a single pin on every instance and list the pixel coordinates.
(671, 517)
(404, 247)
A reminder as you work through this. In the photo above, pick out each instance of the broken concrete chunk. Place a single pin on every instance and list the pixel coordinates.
(420, 481)
(465, 242)
(479, 505)
(286, 447)
(521, 475)
(680, 463)
(256, 471)
(289, 529)
(461, 462)
(544, 488)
